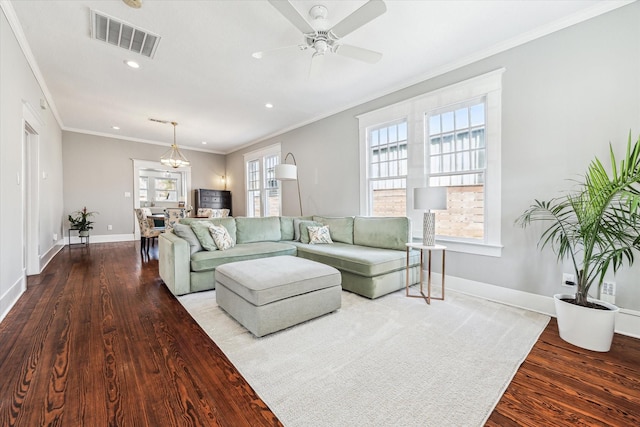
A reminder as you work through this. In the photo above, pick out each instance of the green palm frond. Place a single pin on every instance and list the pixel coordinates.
(597, 226)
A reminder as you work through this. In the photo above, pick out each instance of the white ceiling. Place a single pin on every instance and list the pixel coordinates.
(204, 77)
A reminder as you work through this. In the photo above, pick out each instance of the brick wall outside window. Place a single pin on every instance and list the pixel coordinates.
(464, 217)
(392, 202)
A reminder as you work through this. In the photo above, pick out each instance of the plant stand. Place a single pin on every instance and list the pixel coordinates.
(84, 240)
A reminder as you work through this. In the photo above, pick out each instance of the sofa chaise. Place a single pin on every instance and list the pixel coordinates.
(369, 252)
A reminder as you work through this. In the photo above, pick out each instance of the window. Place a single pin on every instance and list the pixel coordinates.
(166, 189)
(449, 137)
(263, 190)
(144, 188)
(388, 169)
(456, 157)
(160, 188)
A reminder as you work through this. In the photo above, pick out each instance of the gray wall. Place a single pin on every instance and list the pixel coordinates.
(565, 97)
(99, 170)
(18, 86)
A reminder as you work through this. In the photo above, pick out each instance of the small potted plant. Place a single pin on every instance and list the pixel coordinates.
(80, 221)
(597, 227)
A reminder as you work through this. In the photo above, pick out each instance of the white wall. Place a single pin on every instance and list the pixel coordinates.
(565, 96)
(19, 88)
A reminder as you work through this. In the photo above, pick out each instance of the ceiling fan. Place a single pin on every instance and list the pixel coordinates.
(321, 39)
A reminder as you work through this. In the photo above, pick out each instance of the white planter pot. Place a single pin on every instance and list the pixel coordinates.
(586, 327)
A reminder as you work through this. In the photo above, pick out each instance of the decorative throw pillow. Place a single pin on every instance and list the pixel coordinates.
(187, 234)
(319, 235)
(201, 230)
(296, 226)
(304, 232)
(221, 236)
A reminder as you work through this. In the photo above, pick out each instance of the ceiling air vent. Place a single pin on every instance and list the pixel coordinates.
(119, 33)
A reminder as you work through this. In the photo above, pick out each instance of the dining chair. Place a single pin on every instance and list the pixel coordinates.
(148, 232)
(173, 215)
(212, 213)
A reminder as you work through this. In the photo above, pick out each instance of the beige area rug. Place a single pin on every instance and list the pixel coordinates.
(393, 361)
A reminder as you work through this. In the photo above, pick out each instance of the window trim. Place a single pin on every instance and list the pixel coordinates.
(415, 110)
(260, 154)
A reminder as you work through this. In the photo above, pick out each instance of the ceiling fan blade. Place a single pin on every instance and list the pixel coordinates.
(358, 53)
(279, 50)
(288, 11)
(317, 61)
(357, 19)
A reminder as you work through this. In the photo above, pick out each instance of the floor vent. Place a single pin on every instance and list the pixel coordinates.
(119, 33)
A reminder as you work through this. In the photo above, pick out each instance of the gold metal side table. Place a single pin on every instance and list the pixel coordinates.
(423, 248)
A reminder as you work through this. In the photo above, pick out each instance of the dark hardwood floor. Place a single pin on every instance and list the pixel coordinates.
(97, 340)
(563, 385)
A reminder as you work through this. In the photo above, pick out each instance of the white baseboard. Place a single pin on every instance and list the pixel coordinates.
(627, 321)
(44, 259)
(104, 238)
(8, 300)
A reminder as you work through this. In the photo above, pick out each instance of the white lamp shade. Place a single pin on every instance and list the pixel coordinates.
(430, 198)
(286, 172)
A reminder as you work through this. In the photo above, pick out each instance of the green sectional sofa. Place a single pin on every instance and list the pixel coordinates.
(369, 252)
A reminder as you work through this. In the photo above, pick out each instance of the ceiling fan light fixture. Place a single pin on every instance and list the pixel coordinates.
(322, 38)
(173, 157)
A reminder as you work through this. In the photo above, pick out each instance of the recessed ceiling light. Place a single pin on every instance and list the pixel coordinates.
(204, 142)
(268, 105)
(132, 64)
(115, 127)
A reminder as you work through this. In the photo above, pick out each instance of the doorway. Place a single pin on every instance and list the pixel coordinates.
(30, 198)
(157, 186)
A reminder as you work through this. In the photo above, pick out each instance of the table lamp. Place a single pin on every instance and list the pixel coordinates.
(429, 199)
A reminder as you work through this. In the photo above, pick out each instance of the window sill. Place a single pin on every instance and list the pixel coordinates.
(472, 248)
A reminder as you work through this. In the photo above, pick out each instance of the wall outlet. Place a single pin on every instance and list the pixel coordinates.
(608, 291)
(568, 279)
(109, 227)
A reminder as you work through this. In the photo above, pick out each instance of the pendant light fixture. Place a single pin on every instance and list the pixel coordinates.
(173, 157)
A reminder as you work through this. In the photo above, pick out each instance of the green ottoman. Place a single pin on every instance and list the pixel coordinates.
(266, 295)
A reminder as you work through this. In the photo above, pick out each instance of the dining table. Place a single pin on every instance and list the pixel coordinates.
(158, 219)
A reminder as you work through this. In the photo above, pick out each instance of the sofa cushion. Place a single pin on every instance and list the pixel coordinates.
(304, 232)
(229, 223)
(296, 226)
(263, 229)
(206, 261)
(361, 260)
(341, 228)
(287, 231)
(201, 230)
(386, 233)
(186, 232)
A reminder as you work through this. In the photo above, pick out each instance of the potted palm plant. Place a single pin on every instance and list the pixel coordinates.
(596, 227)
(80, 221)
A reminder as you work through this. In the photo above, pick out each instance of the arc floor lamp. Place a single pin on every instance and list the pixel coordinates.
(289, 172)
